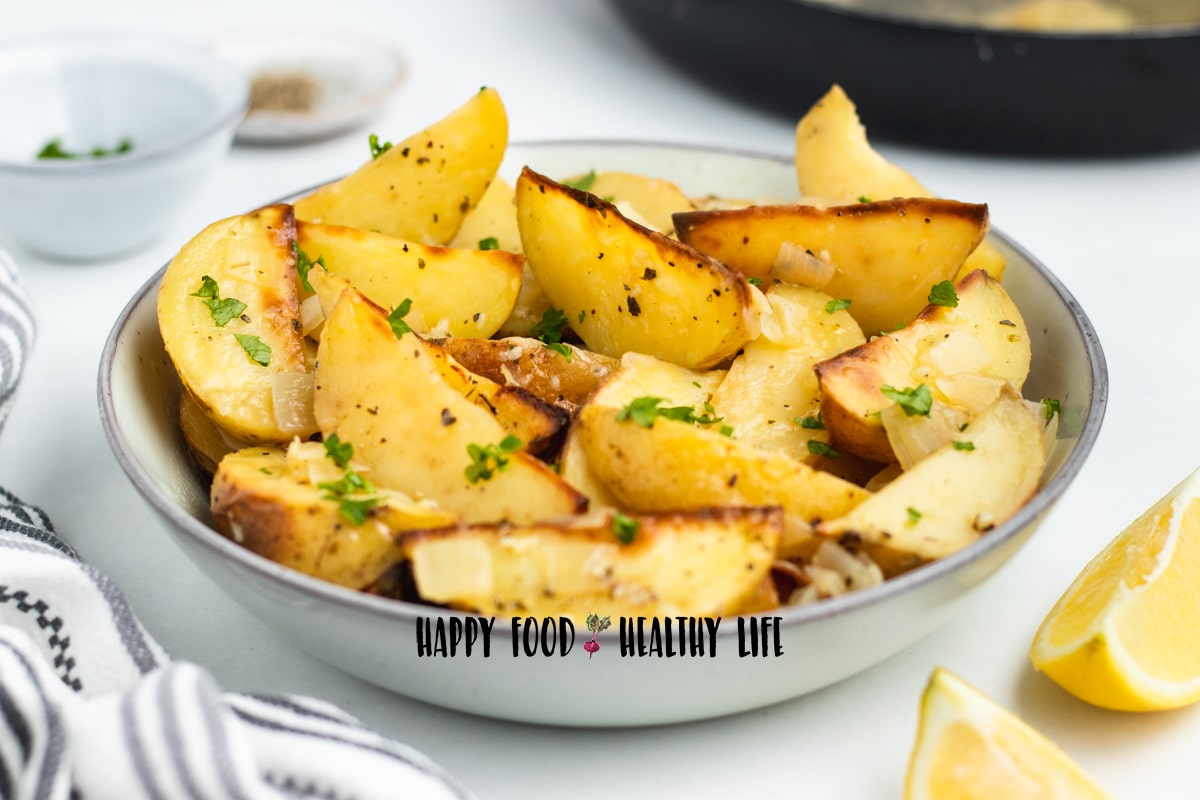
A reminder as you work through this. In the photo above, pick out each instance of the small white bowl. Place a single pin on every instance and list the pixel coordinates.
(349, 81)
(177, 103)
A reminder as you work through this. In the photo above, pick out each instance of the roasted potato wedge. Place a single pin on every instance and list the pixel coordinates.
(676, 564)
(885, 255)
(264, 499)
(494, 218)
(416, 433)
(230, 320)
(952, 497)
(207, 443)
(835, 160)
(453, 292)
(772, 383)
(420, 189)
(529, 364)
(649, 201)
(625, 288)
(962, 354)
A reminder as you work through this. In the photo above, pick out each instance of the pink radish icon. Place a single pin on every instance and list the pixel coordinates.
(595, 624)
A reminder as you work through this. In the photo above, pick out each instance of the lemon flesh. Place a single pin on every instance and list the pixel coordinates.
(1126, 634)
(969, 748)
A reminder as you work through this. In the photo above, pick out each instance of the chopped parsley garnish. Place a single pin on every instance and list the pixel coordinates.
(754, 281)
(582, 316)
(624, 528)
(834, 306)
(862, 198)
(548, 330)
(943, 294)
(644, 410)
(1052, 407)
(489, 243)
(396, 318)
(810, 423)
(377, 148)
(222, 310)
(914, 401)
(355, 511)
(338, 451)
(487, 460)
(725, 430)
(819, 448)
(968, 446)
(53, 149)
(913, 515)
(583, 184)
(304, 264)
(255, 348)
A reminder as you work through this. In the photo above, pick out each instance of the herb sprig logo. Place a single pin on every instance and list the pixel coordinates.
(595, 624)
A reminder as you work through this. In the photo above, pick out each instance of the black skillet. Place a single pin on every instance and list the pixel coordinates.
(918, 76)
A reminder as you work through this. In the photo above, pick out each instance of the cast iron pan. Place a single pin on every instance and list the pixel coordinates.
(924, 80)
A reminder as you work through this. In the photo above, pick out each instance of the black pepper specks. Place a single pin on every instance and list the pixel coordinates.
(448, 418)
(634, 308)
(649, 274)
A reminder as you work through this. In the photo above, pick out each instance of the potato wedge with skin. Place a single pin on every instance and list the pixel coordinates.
(263, 500)
(530, 365)
(207, 443)
(952, 497)
(677, 564)
(675, 466)
(574, 469)
(411, 429)
(453, 292)
(625, 288)
(984, 336)
(772, 383)
(886, 254)
(251, 262)
(835, 160)
(422, 188)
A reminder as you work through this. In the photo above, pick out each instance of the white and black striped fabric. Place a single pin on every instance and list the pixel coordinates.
(92, 708)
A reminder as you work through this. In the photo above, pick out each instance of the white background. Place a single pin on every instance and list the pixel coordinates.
(1120, 233)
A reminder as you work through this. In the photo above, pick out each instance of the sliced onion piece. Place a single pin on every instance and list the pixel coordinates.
(292, 398)
(913, 438)
(973, 393)
(858, 571)
(308, 463)
(794, 264)
(311, 314)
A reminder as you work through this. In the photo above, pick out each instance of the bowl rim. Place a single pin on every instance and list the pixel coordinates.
(398, 610)
(893, 16)
(231, 110)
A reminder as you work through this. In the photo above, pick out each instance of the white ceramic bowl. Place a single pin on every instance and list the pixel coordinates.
(376, 638)
(177, 103)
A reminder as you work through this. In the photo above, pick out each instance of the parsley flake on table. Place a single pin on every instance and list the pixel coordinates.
(915, 401)
(943, 294)
(304, 264)
(624, 528)
(258, 351)
(834, 306)
(396, 318)
(549, 329)
(819, 448)
(222, 309)
(377, 148)
(583, 184)
(810, 423)
(53, 149)
(487, 460)
(489, 243)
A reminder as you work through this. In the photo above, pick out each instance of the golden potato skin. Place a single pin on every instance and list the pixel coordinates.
(411, 429)
(259, 503)
(250, 258)
(423, 187)
(952, 497)
(707, 562)
(456, 292)
(207, 443)
(626, 288)
(887, 253)
(850, 396)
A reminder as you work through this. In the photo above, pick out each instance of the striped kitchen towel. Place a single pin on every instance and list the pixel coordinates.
(91, 707)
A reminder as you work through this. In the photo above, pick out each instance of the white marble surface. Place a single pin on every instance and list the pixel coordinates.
(1120, 233)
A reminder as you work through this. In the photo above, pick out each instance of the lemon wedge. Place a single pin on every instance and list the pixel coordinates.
(969, 748)
(1126, 634)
